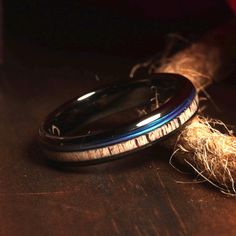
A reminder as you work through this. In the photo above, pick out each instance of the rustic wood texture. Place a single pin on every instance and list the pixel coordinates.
(138, 195)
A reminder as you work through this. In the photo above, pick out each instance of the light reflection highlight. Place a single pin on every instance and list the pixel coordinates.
(86, 96)
(148, 120)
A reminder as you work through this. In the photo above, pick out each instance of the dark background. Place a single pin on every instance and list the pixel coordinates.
(122, 27)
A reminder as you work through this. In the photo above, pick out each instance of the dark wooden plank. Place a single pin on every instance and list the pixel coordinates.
(139, 195)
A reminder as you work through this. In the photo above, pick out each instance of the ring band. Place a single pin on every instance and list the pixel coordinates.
(164, 101)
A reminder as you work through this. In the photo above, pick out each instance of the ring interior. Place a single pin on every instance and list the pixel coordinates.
(109, 109)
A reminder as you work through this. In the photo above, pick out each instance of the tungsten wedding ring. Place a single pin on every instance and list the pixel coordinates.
(151, 109)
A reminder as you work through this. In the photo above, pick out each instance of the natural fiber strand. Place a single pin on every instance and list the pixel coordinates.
(200, 144)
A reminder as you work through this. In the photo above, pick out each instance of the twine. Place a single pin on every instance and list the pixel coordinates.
(209, 152)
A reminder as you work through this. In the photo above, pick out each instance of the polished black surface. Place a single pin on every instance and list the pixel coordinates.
(142, 105)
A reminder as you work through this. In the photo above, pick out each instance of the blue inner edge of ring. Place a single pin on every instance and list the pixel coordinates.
(145, 129)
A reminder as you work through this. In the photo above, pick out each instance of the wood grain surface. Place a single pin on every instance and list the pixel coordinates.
(138, 195)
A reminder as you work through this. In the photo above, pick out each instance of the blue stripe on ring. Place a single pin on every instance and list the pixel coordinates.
(147, 128)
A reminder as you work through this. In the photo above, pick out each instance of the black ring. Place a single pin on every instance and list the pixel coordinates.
(169, 101)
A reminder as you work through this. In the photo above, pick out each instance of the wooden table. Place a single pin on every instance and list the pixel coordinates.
(138, 195)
